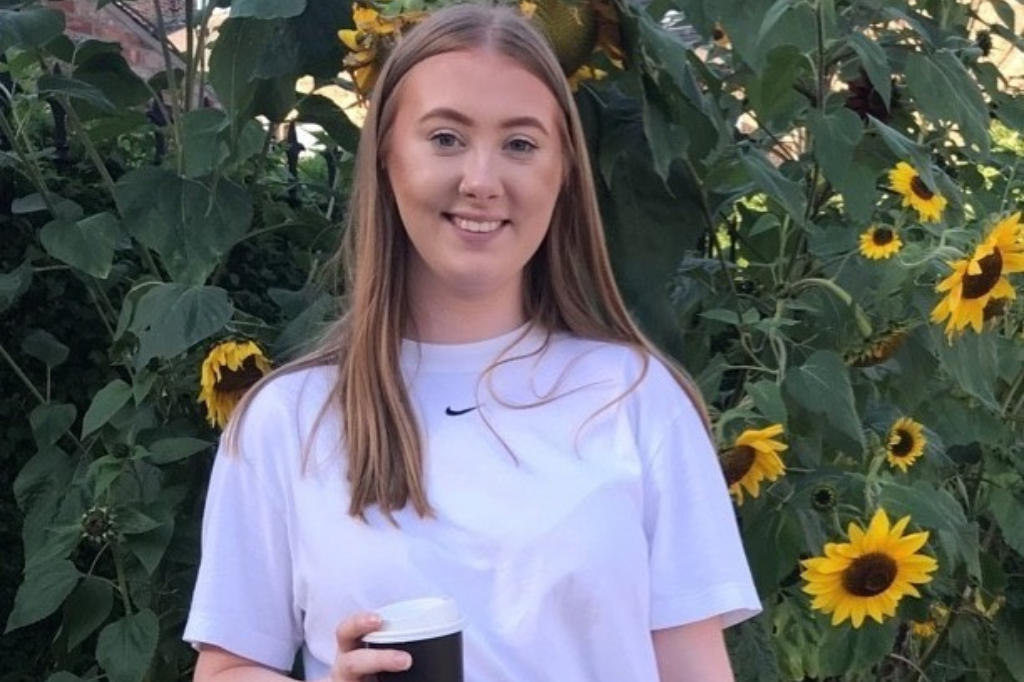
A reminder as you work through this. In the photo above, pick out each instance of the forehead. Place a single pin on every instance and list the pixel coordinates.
(480, 84)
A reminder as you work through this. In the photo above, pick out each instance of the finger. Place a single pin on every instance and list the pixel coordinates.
(357, 664)
(351, 631)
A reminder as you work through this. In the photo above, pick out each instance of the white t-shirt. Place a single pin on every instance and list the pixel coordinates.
(573, 516)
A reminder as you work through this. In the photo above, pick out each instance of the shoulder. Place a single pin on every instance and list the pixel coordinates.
(629, 365)
(286, 396)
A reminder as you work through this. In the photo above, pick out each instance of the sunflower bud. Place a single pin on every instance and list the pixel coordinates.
(98, 525)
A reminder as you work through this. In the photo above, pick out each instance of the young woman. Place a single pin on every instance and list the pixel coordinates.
(484, 423)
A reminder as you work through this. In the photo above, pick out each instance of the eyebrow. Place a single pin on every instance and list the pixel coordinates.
(449, 114)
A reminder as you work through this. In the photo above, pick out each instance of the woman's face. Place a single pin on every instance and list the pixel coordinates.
(476, 161)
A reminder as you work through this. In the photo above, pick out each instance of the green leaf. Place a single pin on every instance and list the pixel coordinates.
(64, 676)
(751, 651)
(149, 547)
(170, 318)
(30, 27)
(274, 98)
(39, 490)
(44, 346)
(750, 316)
(904, 149)
(928, 507)
(73, 88)
(234, 59)
(972, 360)
(107, 70)
(267, 9)
(773, 544)
(772, 94)
(86, 609)
(767, 177)
(205, 148)
(772, 16)
(107, 401)
(125, 648)
(1010, 633)
(836, 135)
(847, 649)
(937, 511)
(50, 421)
(876, 65)
(767, 397)
(945, 91)
(667, 139)
(325, 113)
(170, 450)
(1008, 512)
(44, 590)
(87, 244)
(190, 224)
(822, 386)
(14, 284)
(34, 479)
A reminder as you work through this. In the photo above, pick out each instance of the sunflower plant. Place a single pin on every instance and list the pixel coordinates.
(815, 206)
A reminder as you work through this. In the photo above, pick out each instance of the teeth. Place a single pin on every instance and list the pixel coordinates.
(474, 226)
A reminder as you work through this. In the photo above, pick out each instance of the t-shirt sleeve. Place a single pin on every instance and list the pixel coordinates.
(698, 565)
(243, 600)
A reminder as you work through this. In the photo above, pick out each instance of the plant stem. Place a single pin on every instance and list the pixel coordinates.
(122, 580)
(21, 375)
(30, 168)
(90, 148)
(172, 83)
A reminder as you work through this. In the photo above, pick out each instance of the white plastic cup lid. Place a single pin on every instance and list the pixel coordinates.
(416, 619)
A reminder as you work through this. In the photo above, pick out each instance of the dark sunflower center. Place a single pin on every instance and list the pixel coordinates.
(870, 574)
(718, 34)
(882, 236)
(921, 189)
(239, 379)
(904, 444)
(824, 499)
(736, 462)
(976, 286)
(995, 307)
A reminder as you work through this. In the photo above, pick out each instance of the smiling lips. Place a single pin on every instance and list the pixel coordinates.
(478, 226)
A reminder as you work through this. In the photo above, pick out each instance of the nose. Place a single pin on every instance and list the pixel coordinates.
(481, 177)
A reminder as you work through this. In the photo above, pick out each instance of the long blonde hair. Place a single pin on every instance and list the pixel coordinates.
(568, 284)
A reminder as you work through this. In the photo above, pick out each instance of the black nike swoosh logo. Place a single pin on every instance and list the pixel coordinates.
(455, 413)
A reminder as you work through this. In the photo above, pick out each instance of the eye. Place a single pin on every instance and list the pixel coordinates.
(444, 140)
(521, 145)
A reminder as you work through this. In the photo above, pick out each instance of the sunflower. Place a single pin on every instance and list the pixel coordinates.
(868, 575)
(576, 29)
(229, 370)
(923, 629)
(981, 279)
(906, 443)
(369, 43)
(879, 347)
(752, 459)
(929, 627)
(908, 184)
(880, 242)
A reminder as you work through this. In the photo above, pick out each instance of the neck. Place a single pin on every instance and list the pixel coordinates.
(463, 319)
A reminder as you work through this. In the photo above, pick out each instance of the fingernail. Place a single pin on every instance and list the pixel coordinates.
(404, 661)
(373, 620)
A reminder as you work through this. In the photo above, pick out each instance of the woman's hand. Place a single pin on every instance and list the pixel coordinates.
(354, 662)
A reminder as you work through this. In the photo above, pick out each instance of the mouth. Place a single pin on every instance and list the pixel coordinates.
(476, 226)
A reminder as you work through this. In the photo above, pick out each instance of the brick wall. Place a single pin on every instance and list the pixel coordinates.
(139, 47)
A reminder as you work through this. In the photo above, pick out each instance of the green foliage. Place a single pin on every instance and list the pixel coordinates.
(736, 177)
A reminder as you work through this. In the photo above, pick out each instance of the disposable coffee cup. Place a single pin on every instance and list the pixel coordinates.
(430, 629)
